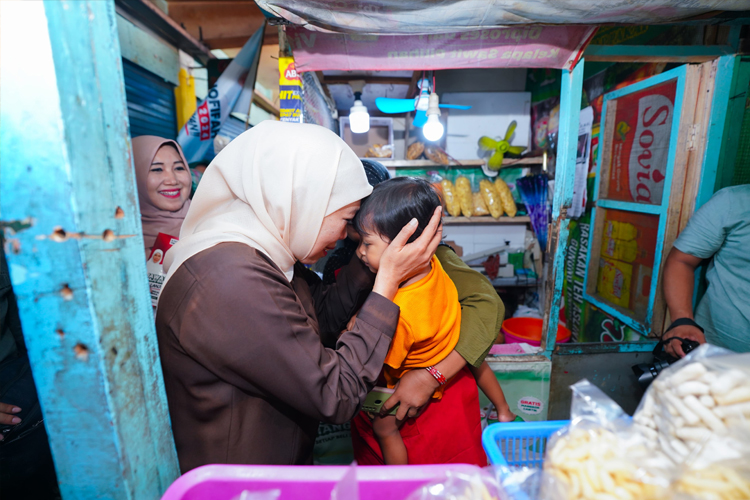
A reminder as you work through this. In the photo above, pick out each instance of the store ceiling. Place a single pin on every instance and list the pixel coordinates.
(221, 24)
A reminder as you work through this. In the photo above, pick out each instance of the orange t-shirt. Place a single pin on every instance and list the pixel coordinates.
(428, 326)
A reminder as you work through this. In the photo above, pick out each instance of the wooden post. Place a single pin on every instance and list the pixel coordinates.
(567, 145)
(76, 251)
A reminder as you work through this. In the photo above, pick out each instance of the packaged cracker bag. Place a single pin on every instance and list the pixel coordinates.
(155, 264)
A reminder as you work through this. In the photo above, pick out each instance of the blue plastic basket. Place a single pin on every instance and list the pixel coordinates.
(519, 443)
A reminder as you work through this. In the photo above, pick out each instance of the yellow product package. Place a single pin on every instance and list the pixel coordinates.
(463, 190)
(491, 198)
(480, 208)
(506, 197)
(624, 250)
(620, 230)
(451, 198)
(614, 282)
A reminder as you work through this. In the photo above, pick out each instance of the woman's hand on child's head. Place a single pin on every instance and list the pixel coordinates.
(413, 392)
(402, 260)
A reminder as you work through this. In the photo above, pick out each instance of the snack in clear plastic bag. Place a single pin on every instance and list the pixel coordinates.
(463, 191)
(436, 154)
(480, 208)
(526, 483)
(415, 150)
(451, 198)
(690, 408)
(597, 457)
(721, 481)
(491, 198)
(460, 486)
(506, 197)
(689, 437)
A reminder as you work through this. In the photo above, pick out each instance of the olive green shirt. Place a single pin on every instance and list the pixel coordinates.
(482, 310)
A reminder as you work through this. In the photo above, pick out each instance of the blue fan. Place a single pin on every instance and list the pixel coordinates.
(418, 104)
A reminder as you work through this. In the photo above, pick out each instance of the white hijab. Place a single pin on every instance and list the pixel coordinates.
(270, 188)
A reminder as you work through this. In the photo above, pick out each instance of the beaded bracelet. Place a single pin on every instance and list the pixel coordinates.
(436, 373)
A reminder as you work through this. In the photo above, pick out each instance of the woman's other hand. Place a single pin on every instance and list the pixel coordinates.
(402, 260)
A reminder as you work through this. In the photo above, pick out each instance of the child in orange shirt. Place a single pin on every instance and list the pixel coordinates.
(430, 319)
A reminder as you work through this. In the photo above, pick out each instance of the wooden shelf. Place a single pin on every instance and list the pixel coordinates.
(507, 162)
(486, 219)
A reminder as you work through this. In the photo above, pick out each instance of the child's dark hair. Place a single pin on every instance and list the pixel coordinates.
(393, 204)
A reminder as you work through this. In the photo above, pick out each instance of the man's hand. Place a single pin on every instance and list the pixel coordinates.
(690, 332)
(7, 415)
(413, 392)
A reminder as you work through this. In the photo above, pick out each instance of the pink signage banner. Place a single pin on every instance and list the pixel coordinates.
(519, 47)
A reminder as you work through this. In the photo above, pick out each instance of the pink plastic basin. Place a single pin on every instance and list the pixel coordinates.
(529, 330)
(224, 482)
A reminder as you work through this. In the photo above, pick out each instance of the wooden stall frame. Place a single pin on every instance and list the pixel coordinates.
(661, 210)
(77, 262)
(571, 92)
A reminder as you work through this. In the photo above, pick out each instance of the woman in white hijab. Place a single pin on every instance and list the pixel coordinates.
(246, 375)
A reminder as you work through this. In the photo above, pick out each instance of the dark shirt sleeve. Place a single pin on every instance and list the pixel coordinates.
(335, 304)
(482, 310)
(11, 336)
(252, 331)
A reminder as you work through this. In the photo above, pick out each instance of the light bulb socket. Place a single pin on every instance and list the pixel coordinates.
(434, 106)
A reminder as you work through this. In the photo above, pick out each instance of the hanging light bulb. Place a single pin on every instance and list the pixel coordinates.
(433, 129)
(359, 118)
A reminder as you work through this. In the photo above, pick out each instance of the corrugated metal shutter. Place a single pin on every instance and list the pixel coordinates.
(151, 103)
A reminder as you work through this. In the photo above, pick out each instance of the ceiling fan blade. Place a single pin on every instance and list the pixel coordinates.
(454, 106)
(391, 105)
(511, 129)
(420, 118)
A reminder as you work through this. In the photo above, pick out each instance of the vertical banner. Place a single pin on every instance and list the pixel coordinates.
(196, 137)
(290, 91)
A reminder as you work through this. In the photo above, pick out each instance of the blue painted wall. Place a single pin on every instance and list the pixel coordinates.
(79, 269)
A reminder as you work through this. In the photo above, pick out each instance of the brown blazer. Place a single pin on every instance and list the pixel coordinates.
(246, 375)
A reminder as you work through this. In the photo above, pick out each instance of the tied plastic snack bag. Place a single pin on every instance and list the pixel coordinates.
(689, 438)
(155, 264)
(460, 486)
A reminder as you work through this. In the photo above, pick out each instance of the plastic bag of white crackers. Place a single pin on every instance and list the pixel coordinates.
(689, 437)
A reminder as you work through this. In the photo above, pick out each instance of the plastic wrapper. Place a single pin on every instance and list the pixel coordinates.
(720, 481)
(463, 191)
(347, 488)
(258, 495)
(526, 483)
(697, 411)
(506, 197)
(481, 485)
(491, 198)
(415, 150)
(450, 195)
(480, 208)
(688, 439)
(598, 457)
